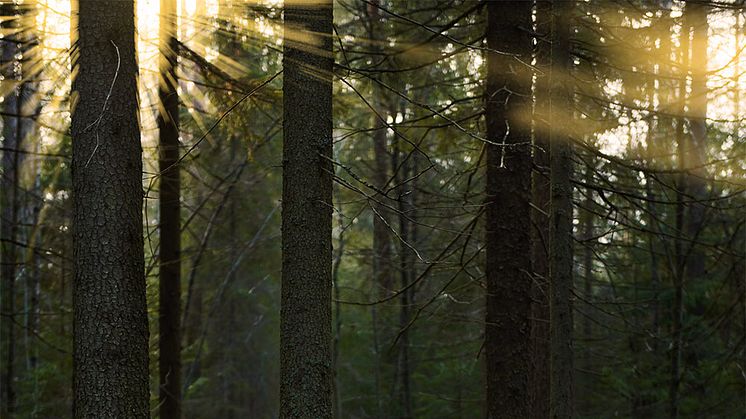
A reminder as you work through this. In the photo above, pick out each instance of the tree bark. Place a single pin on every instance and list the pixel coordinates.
(169, 350)
(110, 342)
(9, 206)
(540, 196)
(561, 216)
(508, 225)
(305, 315)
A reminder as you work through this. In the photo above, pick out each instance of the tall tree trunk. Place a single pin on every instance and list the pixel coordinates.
(381, 237)
(110, 342)
(696, 150)
(560, 234)
(30, 215)
(586, 221)
(339, 254)
(169, 349)
(9, 207)
(508, 225)
(382, 247)
(406, 273)
(678, 274)
(690, 263)
(305, 315)
(540, 217)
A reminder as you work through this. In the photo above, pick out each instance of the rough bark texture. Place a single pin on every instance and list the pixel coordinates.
(169, 364)
(561, 216)
(540, 218)
(508, 225)
(305, 317)
(110, 344)
(9, 214)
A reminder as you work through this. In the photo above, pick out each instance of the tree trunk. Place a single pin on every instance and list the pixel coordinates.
(540, 218)
(381, 236)
(382, 246)
(508, 225)
(560, 234)
(339, 254)
(678, 274)
(169, 350)
(696, 150)
(690, 263)
(305, 315)
(9, 206)
(110, 343)
(586, 222)
(406, 273)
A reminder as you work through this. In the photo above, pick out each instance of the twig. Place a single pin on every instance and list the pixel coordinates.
(97, 122)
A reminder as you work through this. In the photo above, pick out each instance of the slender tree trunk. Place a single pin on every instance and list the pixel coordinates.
(682, 189)
(696, 151)
(655, 281)
(585, 216)
(560, 234)
(29, 214)
(381, 236)
(339, 254)
(691, 151)
(678, 299)
(406, 228)
(9, 207)
(169, 350)
(587, 234)
(305, 315)
(34, 286)
(508, 225)
(540, 217)
(382, 246)
(110, 342)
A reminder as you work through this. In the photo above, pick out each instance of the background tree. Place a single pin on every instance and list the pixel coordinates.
(12, 143)
(169, 198)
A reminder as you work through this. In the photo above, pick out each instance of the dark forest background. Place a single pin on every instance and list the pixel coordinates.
(648, 106)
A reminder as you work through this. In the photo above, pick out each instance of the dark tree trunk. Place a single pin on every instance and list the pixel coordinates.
(305, 315)
(696, 150)
(586, 225)
(678, 273)
(690, 263)
(382, 246)
(169, 350)
(381, 236)
(540, 218)
(110, 343)
(561, 216)
(508, 225)
(406, 273)
(9, 206)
